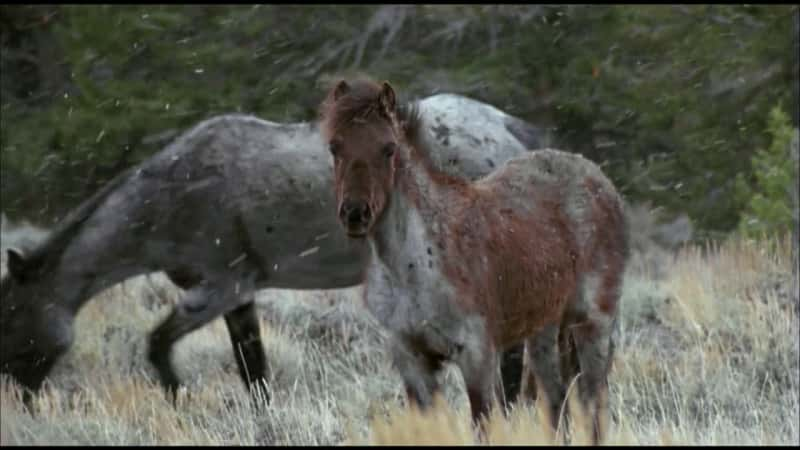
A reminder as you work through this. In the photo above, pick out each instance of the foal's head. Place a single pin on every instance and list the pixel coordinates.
(360, 127)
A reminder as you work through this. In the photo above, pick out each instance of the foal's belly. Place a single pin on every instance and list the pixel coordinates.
(544, 305)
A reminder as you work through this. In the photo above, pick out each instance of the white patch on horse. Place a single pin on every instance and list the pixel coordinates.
(405, 294)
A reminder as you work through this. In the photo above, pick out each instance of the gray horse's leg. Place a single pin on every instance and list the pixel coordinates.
(245, 333)
(202, 304)
(183, 278)
(243, 328)
(543, 358)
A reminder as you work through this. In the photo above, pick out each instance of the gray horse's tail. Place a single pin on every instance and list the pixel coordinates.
(531, 136)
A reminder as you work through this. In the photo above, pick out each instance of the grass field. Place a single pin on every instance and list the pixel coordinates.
(707, 353)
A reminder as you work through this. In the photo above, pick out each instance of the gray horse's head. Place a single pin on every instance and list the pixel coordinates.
(34, 329)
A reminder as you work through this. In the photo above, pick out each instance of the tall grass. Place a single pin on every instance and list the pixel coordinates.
(707, 354)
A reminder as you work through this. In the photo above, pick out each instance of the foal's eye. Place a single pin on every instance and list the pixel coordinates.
(388, 149)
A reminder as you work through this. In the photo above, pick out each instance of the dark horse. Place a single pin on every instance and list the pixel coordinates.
(233, 205)
(460, 270)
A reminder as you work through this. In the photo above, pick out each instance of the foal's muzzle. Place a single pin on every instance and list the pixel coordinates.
(355, 216)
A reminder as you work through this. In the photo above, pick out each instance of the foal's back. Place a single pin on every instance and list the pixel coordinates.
(555, 219)
(563, 180)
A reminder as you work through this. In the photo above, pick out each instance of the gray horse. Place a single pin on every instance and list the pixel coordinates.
(233, 205)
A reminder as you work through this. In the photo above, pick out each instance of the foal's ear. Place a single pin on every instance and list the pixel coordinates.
(387, 97)
(17, 266)
(341, 88)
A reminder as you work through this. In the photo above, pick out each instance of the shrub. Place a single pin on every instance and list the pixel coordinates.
(770, 200)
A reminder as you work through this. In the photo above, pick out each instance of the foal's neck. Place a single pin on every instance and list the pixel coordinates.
(412, 219)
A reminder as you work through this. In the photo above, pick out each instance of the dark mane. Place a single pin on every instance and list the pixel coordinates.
(409, 118)
(362, 102)
(51, 247)
(410, 121)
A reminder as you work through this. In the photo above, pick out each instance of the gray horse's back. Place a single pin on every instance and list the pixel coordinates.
(469, 138)
(236, 184)
(274, 179)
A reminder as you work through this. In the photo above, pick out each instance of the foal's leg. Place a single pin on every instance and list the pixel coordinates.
(202, 304)
(527, 384)
(245, 333)
(570, 365)
(512, 369)
(418, 373)
(478, 364)
(594, 345)
(544, 360)
(593, 335)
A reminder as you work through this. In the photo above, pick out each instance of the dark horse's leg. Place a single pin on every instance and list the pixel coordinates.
(245, 332)
(243, 328)
(202, 304)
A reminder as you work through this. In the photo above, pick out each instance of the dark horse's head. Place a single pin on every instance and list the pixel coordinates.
(34, 330)
(359, 126)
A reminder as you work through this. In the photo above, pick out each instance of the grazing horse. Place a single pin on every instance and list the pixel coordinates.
(233, 205)
(460, 270)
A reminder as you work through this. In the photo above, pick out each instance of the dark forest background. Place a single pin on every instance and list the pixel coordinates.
(691, 108)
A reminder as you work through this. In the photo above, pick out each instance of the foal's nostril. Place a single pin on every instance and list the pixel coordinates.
(358, 214)
(355, 212)
(354, 216)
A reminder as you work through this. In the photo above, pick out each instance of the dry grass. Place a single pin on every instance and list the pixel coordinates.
(707, 354)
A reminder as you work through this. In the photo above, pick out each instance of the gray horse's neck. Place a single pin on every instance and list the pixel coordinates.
(80, 287)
